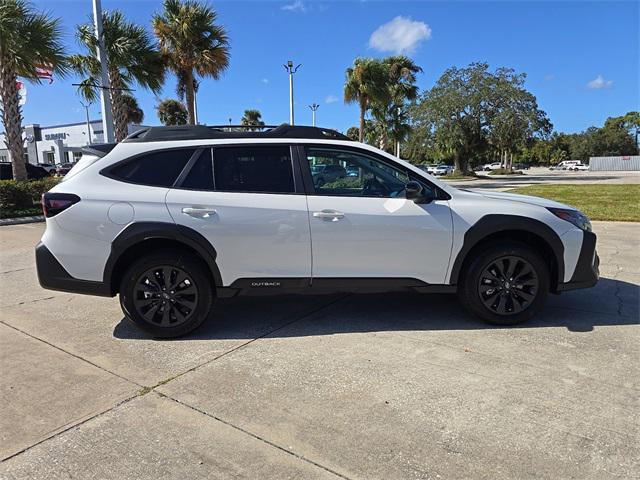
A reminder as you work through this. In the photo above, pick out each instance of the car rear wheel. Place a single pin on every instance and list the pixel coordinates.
(506, 284)
(167, 294)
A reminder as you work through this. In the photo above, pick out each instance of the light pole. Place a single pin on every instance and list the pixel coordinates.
(313, 107)
(101, 55)
(86, 111)
(291, 70)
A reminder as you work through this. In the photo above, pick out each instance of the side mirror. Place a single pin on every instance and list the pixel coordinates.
(416, 192)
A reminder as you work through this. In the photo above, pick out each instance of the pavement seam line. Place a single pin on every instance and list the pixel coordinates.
(194, 368)
(71, 427)
(72, 354)
(257, 437)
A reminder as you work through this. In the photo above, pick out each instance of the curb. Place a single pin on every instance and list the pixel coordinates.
(21, 220)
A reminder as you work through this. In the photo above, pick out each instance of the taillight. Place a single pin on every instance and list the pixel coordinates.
(54, 203)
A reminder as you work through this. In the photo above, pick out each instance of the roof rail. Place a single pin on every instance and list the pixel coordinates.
(203, 132)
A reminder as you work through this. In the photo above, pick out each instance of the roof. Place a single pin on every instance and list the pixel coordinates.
(203, 132)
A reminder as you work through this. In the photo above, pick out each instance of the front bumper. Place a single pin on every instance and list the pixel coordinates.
(587, 270)
(53, 276)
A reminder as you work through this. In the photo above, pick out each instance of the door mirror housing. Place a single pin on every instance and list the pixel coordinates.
(416, 192)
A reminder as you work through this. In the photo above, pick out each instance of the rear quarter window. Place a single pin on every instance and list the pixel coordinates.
(158, 169)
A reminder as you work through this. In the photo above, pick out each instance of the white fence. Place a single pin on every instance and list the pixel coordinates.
(626, 163)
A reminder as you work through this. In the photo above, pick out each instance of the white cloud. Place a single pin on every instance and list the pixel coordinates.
(400, 35)
(265, 80)
(599, 82)
(296, 6)
(331, 99)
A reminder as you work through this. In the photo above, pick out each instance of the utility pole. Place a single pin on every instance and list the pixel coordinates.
(101, 55)
(313, 107)
(291, 70)
(86, 111)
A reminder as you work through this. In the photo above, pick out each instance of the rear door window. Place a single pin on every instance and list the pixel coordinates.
(253, 169)
(158, 169)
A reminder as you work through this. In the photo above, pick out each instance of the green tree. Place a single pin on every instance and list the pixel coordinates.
(366, 83)
(353, 133)
(401, 82)
(471, 110)
(251, 118)
(172, 112)
(134, 113)
(132, 59)
(191, 43)
(28, 39)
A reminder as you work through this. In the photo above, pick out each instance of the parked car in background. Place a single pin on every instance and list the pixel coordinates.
(578, 167)
(443, 169)
(63, 169)
(49, 167)
(564, 165)
(491, 166)
(34, 172)
(521, 166)
(327, 173)
(352, 171)
(427, 167)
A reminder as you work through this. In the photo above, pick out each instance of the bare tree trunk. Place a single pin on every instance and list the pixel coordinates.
(117, 105)
(363, 110)
(12, 119)
(457, 163)
(190, 97)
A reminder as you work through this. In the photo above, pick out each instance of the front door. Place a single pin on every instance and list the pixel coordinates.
(362, 226)
(245, 201)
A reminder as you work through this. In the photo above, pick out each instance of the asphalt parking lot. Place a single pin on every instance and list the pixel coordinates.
(345, 386)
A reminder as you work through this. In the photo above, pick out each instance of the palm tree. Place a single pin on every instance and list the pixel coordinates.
(191, 43)
(366, 83)
(401, 79)
(252, 117)
(132, 58)
(28, 39)
(133, 111)
(172, 112)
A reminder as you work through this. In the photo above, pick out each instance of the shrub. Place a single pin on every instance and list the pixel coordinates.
(38, 187)
(344, 182)
(14, 194)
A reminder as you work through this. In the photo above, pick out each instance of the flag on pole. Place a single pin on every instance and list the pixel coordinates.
(45, 72)
(22, 93)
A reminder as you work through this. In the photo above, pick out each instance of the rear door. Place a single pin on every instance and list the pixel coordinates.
(248, 201)
(362, 226)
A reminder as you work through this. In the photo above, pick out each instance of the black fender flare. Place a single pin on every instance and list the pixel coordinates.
(139, 232)
(496, 223)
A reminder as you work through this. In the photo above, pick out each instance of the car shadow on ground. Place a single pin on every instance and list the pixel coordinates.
(610, 302)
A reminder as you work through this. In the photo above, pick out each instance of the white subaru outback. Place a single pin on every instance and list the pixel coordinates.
(174, 217)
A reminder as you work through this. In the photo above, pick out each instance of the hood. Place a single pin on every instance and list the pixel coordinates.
(516, 197)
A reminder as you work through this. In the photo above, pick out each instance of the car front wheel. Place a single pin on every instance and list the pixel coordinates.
(506, 284)
(167, 293)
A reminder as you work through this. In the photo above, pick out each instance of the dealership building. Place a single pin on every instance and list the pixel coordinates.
(59, 143)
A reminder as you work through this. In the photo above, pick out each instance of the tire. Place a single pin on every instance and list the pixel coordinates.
(487, 292)
(145, 293)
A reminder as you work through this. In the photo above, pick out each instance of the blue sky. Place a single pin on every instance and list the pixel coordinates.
(581, 58)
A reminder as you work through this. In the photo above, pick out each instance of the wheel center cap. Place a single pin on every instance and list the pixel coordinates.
(166, 295)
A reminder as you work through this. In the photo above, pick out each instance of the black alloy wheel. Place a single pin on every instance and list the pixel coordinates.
(508, 285)
(166, 296)
(167, 293)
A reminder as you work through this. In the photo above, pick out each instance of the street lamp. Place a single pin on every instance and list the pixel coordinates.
(291, 70)
(101, 56)
(313, 107)
(86, 110)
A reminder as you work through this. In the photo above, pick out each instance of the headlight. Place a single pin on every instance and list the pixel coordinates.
(574, 217)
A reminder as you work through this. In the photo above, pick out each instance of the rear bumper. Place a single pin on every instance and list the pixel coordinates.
(587, 270)
(53, 276)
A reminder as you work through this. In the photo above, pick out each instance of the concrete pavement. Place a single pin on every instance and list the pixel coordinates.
(342, 386)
